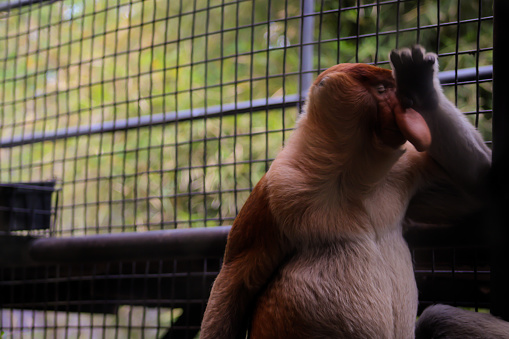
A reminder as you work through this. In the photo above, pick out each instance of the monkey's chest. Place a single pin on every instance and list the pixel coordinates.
(361, 290)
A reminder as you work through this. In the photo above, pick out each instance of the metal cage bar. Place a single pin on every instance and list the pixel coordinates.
(448, 77)
(499, 226)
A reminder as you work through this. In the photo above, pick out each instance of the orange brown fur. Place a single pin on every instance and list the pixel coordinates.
(317, 250)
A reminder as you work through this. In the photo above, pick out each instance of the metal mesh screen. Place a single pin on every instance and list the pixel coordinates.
(152, 115)
(133, 107)
(455, 276)
(155, 115)
(142, 299)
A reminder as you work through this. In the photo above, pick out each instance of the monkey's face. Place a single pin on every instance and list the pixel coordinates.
(357, 102)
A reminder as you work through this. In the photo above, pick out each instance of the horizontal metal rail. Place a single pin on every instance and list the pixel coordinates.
(178, 243)
(467, 74)
(153, 120)
(189, 243)
(15, 4)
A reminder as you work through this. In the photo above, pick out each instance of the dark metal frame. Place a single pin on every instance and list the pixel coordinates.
(499, 226)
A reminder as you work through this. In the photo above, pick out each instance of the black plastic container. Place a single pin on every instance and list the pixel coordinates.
(26, 206)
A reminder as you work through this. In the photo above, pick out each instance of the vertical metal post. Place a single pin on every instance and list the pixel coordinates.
(500, 173)
(307, 30)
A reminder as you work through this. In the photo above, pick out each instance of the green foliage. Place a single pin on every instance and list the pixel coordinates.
(80, 62)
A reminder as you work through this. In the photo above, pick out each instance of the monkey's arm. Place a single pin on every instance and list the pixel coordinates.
(456, 145)
(253, 253)
(463, 160)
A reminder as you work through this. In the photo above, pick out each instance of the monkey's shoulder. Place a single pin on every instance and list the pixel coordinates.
(255, 225)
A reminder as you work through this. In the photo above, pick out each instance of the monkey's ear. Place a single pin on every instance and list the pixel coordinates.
(334, 82)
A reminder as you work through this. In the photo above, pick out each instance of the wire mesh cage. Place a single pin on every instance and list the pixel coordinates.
(163, 115)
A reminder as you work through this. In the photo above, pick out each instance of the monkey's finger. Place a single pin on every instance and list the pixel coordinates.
(417, 54)
(406, 56)
(395, 58)
(429, 59)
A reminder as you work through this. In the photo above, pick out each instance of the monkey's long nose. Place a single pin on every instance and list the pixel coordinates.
(413, 127)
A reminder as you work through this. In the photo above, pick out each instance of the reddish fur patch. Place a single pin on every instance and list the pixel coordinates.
(253, 229)
(363, 73)
(253, 253)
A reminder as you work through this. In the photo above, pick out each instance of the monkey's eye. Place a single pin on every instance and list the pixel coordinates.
(380, 88)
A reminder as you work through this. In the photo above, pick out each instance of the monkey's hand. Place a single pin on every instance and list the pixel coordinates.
(416, 73)
(455, 144)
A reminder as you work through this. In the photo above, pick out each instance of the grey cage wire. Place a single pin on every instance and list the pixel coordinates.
(120, 117)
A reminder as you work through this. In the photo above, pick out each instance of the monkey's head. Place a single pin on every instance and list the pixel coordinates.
(357, 105)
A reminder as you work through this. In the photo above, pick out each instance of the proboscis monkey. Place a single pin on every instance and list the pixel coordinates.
(317, 251)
